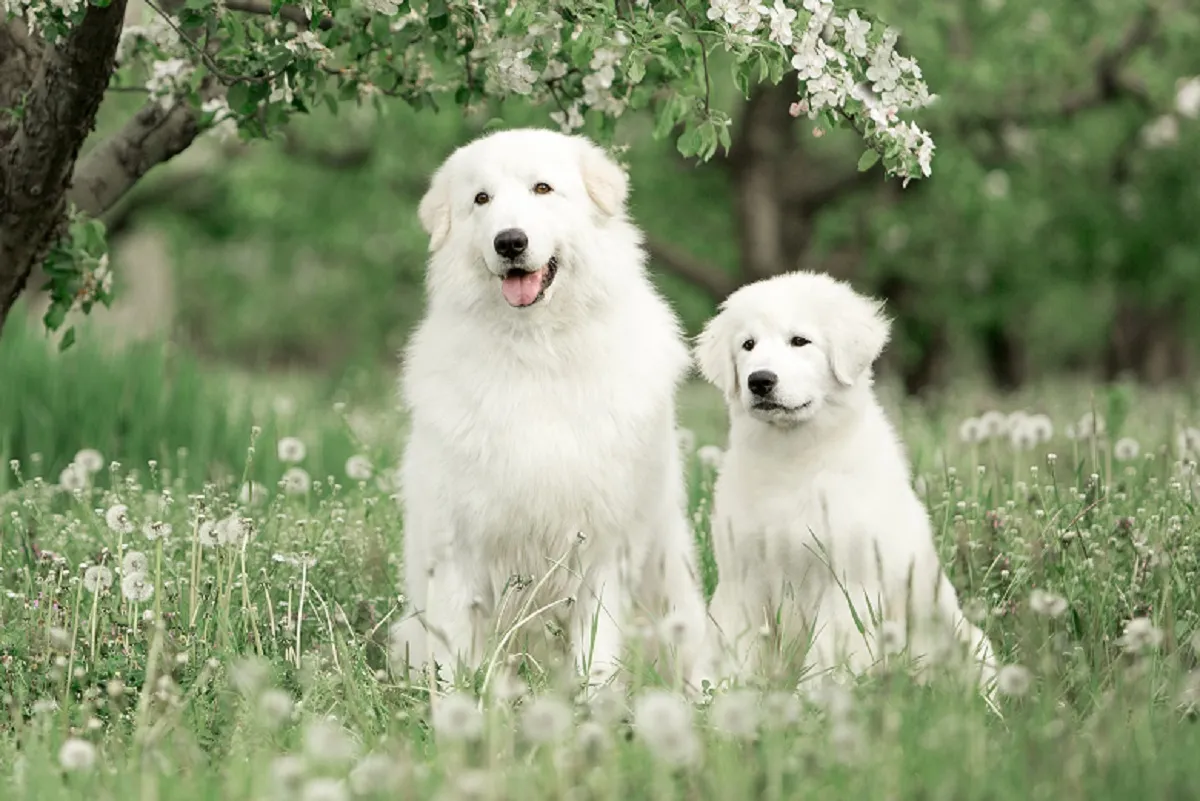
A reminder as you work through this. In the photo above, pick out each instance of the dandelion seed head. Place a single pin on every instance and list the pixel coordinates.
(1047, 603)
(735, 714)
(156, 530)
(252, 494)
(97, 578)
(324, 788)
(296, 481)
(457, 717)
(275, 707)
(663, 721)
(972, 431)
(326, 742)
(291, 450)
(117, 519)
(545, 719)
(1140, 635)
(1013, 680)
(73, 478)
(1126, 449)
(137, 588)
(134, 563)
(377, 774)
(359, 468)
(77, 755)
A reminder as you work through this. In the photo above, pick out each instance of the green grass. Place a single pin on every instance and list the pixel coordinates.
(163, 690)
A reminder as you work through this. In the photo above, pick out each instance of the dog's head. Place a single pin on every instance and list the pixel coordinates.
(506, 213)
(783, 348)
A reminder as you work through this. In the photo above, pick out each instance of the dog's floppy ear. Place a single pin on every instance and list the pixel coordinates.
(434, 210)
(605, 181)
(857, 337)
(714, 356)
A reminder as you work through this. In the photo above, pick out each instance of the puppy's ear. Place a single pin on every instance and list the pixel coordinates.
(434, 210)
(857, 337)
(605, 181)
(714, 356)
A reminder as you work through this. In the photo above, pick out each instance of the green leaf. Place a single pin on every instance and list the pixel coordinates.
(238, 98)
(636, 71)
(54, 316)
(68, 339)
(867, 160)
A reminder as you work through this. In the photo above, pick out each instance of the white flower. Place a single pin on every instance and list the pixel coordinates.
(855, 33)
(1090, 425)
(1126, 449)
(324, 789)
(513, 74)
(291, 450)
(252, 493)
(135, 563)
(456, 717)
(117, 519)
(545, 720)
(231, 531)
(73, 478)
(664, 723)
(735, 714)
(994, 423)
(207, 534)
(97, 578)
(780, 19)
(156, 530)
(1022, 437)
(77, 756)
(359, 468)
(1047, 603)
(387, 8)
(710, 456)
(1187, 98)
(327, 743)
(1041, 427)
(1013, 680)
(275, 707)
(377, 774)
(1140, 635)
(136, 588)
(90, 460)
(972, 431)
(306, 42)
(1161, 132)
(296, 481)
(167, 78)
(569, 121)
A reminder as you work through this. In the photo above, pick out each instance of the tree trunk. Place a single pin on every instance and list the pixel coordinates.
(1145, 343)
(1005, 355)
(60, 93)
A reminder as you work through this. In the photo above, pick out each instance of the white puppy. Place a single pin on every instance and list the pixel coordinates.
(542, 481)
(815, 525)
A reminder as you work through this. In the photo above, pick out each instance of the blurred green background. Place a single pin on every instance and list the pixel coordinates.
(1057, 238)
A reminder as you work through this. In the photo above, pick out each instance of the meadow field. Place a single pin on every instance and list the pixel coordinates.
(198, 570)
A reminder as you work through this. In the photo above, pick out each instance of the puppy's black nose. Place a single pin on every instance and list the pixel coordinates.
(511, 242)
(761, 382)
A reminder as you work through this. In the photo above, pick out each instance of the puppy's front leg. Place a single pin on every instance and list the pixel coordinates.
(600, 612)
(735, 610)
(453, 615)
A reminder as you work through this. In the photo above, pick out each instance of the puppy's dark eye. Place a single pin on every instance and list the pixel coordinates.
(542, 188)
(748, 344)
(799, 342)
(482, 198)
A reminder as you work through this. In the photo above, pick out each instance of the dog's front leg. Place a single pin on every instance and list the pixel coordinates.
(599, 614)
(453, 615)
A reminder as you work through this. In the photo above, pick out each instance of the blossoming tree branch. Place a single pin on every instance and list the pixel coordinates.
(248, 65)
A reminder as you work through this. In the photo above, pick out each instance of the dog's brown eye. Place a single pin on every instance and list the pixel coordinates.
(542, 188)
(799, 342)
(482, 198)
(748, 344)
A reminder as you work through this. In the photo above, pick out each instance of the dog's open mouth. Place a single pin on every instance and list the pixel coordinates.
(523, 288)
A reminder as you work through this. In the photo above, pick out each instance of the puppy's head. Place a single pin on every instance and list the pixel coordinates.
(506, 212)
(783, 348)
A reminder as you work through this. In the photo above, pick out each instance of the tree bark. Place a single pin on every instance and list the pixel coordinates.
(37, 156)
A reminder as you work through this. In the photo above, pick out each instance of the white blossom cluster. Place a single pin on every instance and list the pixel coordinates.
(837, 62)
(41, 18)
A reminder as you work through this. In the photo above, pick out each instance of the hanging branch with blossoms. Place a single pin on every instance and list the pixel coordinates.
(243, 67)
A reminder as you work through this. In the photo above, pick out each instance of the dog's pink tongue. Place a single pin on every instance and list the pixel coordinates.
(522, 290)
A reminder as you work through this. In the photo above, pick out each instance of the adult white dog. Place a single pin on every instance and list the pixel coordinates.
(815, 525)
(542, 481)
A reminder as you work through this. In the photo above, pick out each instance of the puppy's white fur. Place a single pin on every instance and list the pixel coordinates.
(815, 522)
(547, 431)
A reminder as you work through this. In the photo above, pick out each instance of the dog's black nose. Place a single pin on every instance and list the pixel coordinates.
(761, 382)
(511, 242)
